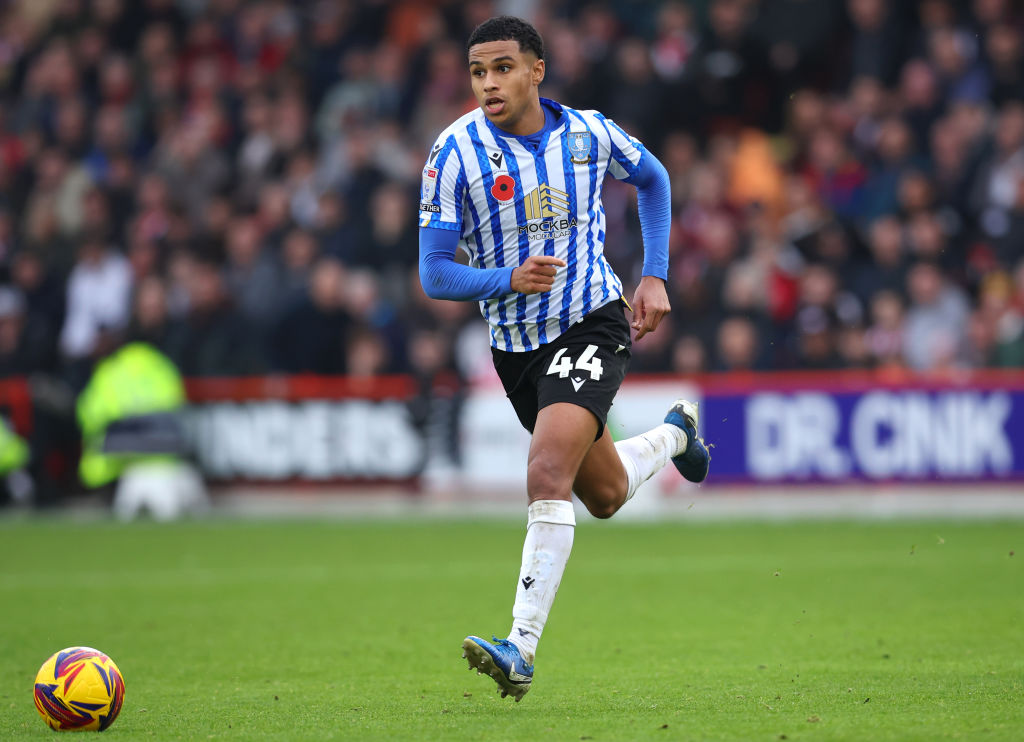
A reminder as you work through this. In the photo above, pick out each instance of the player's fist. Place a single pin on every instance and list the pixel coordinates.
(537, 274)
(650, 305)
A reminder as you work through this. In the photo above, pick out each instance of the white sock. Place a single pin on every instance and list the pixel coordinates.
(549, 532)
(643, 455)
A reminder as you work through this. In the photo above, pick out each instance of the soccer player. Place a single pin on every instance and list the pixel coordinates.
(517, 184)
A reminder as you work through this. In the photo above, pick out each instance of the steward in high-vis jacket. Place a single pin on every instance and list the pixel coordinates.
(127, 413)
(13, 450)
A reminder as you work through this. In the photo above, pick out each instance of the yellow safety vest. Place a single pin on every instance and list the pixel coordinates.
(135, 380)
(13, 449)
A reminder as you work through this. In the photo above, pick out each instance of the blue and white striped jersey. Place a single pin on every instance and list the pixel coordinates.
(509, 202)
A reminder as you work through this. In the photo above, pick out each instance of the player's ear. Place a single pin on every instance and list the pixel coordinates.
(538, 71)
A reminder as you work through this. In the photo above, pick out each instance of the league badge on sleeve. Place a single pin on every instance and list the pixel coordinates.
(429, 186)
(578, 143)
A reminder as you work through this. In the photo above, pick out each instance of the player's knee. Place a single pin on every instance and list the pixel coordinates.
(546, 480)
(602, 509)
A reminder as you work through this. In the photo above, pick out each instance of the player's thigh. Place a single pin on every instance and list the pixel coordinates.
(600, 482)
(562, 436)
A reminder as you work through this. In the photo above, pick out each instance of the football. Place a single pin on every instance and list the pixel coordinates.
(79, 689)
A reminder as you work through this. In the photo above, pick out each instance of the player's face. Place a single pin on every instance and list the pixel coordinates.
(505, 81)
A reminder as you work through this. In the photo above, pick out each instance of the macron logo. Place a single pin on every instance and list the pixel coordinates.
(577, 382)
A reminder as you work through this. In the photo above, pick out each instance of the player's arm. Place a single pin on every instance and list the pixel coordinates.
(443, 278)
(654, 206)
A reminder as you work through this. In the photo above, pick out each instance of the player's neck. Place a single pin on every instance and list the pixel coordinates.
(531, 122)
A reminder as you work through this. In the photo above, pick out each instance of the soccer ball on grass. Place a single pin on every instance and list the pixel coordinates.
(80, 689)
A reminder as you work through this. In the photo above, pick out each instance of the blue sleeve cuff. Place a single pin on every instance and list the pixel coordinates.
(654, 206)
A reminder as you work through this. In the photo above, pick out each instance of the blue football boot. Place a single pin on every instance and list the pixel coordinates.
(502, 661)
(692, 463)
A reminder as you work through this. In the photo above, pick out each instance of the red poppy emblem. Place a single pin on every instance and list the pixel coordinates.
(504, 187)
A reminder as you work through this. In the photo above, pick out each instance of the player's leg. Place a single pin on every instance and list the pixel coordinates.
(602, 482)
(562, 435)
(610, 473)
(561, 438)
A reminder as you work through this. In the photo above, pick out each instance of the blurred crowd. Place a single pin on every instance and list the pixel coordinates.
(235, 181)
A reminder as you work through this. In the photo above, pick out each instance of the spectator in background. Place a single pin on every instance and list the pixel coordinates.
(570, 73)
(298, 254)
(333, 226)
(98, 303)
(389, 241)
(150, 322)
(1004, 53)
(44, 296)
(835, 174)
(675, 41)
(194, 169)
(251, 276)
(367, 354)
(815, 342)
(875, 42)
(312, 337)
(894, 149)
(689, 356)
(856, 142)
(884, 338)
(24, 344)
(953, 55)
(920, 100)
(1010, 328)
(274, 215)
(738, 345)
(212, 339)
(730, 75)
(934, 331)
(375, 317)
(633, 93)
(999, 175)
(55, 202)
(887, 266)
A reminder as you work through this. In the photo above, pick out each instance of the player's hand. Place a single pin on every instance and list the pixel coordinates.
(536, 275)
(650, 304)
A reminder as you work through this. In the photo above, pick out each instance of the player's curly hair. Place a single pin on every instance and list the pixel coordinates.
(508, 28)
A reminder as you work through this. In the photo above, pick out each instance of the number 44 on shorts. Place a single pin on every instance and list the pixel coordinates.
(562, 364)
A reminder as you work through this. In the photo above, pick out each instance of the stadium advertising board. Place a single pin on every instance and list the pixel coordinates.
(794, 428)
(766, 429)
(305, 429)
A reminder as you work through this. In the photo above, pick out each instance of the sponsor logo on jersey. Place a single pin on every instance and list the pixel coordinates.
(545, 201)
(548, 229)
(433, 208)
(547, 212)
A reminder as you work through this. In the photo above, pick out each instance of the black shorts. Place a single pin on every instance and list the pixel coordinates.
(584, 366)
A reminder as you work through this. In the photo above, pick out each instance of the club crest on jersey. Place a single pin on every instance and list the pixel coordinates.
(578, 143)
(429, 183)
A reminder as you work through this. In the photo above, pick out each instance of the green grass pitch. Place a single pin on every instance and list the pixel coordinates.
(351, 630)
